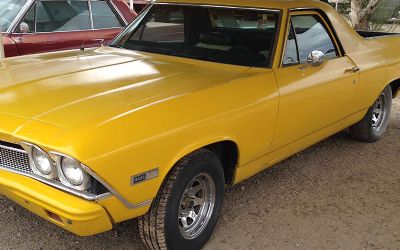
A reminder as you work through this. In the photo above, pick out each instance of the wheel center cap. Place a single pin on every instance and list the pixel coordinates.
(186, 203)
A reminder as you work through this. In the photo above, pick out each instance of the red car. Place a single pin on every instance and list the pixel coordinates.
(34, 26)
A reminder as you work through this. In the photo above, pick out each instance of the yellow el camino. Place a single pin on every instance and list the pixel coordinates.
(190, 98)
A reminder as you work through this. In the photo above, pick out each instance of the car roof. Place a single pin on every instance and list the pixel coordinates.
(267, 4)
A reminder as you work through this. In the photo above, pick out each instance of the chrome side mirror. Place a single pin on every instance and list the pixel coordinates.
(316, 58)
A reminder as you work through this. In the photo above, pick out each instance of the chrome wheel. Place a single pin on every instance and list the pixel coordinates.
(196, 206)
(379, 113)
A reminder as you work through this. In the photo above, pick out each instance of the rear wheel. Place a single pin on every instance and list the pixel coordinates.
(185, 212)
(373, 126)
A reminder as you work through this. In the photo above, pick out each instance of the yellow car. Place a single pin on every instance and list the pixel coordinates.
(190, 98)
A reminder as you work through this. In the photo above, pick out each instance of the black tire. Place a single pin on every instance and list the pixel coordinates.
(160, 228)
(371, 128)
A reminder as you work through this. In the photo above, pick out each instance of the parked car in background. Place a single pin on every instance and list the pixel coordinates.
(393, 20)
(35, 26)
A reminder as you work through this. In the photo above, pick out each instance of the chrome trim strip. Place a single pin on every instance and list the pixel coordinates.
(382, 36)
(85, 195)
(14, 149)
(105, 184)
(115, 9)
(104, 196)
(219, 6)
(131, 27)
(35, 16)
(114, 192)
(90, 14)
(51, 32)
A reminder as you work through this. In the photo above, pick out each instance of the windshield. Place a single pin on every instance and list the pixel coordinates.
(230, 36)
(9, 10)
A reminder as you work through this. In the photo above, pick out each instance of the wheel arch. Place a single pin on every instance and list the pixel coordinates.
(395, 85)
(228, 154)
(225, 148)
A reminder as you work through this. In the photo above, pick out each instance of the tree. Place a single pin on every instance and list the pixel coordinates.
(361, 11)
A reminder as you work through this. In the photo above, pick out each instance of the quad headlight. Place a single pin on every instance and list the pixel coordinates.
(41, 163)
(72, 173)
(58, 167)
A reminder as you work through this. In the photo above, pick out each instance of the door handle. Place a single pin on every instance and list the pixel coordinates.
(352, 70)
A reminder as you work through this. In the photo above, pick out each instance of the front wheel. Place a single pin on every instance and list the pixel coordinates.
(373, 126)
(185, 212)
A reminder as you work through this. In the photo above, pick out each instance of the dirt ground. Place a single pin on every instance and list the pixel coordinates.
(339, 194)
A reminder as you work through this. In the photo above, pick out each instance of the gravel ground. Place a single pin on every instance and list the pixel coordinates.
(339, 194)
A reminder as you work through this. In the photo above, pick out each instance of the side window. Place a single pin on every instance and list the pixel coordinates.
(69, 15)
(103, 16)
(311, 35)
(291, 56)
(42, 18)
(28, 23)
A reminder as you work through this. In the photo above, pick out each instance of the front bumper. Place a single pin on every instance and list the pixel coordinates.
(78, 216)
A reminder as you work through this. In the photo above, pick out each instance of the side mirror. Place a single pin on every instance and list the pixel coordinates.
(316, 58)
(23, 28)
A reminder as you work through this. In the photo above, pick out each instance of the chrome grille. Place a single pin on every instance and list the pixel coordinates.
(14, 159)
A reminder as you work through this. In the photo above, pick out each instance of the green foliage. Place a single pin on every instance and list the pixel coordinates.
(344, 8)
(385, 10)
(379, 20)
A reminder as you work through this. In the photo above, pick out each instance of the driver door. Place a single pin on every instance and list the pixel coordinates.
(312, 96)
(52, 25)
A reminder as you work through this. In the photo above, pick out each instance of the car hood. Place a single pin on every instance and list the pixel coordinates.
(68, 88)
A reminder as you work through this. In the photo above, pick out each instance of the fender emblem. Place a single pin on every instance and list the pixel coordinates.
(144, 176)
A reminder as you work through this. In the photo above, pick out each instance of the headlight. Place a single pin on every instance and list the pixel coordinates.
(63, 172)
(72, 174)
(42, 164)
